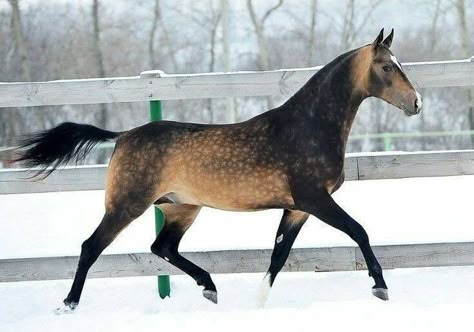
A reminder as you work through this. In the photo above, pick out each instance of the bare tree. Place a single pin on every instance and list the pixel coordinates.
(171, 54)
(259, 28)
(312, 32)
(348, 25)
(151, 43)
(99, 60)
(350, 28)
(20, 40)
(96, 39)
(465, 49)
(212, 55)
(263, 61)
(434, 24)
(432, 45)
(22, 51)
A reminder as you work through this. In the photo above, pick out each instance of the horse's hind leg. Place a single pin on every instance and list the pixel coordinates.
(178, 219)
(113, 222)
(290, 226)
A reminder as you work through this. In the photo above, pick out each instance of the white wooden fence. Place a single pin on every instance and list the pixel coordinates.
(357, 167)
(242, 261)
(154, 85)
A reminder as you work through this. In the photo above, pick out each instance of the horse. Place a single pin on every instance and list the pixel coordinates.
(290, 158)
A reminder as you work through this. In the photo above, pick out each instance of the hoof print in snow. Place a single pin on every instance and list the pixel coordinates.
(66, 309)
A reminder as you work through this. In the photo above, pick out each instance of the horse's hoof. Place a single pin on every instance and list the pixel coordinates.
(210, 295)
(67, 308)
(381, 293)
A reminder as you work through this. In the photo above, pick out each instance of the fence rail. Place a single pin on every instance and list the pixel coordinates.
(154, 85)
(358, 167)
(242, 261)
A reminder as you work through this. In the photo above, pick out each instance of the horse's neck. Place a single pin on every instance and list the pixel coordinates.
(328, 101)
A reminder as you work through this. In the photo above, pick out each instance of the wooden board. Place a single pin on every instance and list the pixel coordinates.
(16, 181)
(360, 167)
(209, 85)
(241, 261)
(416, 165)
(145, 264)
(421, 255)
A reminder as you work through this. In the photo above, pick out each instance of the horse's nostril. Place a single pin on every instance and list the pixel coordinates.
(418, 104)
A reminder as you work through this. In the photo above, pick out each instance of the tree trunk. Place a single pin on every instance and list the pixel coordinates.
(151, 43)
(262, 59)
(212, 60)
(231, 113)
(312, 32)
(20, 41)
(263, 62)
(100, 69)
(433, 44)
(464, 32)
(348, 26)
(16, 120)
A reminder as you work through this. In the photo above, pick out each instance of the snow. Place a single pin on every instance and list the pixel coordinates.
(429, 299)
(392, 211)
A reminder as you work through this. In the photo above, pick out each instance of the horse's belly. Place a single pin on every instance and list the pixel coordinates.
(236, 193)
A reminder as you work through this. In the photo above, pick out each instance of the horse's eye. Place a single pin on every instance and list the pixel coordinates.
(387, 68)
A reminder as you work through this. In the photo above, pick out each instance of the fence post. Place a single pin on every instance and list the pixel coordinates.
(164, 288)
(387, 142)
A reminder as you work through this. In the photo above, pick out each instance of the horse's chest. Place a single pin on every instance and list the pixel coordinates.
(321, 171)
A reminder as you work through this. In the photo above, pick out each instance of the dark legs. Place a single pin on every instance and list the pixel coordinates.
(290, 226)
(109, 228)
(326, 209)
(178, 218)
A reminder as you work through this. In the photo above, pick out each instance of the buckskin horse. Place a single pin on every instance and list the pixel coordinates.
(290, 158)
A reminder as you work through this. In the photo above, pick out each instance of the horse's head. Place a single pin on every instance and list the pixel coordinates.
(380, 75)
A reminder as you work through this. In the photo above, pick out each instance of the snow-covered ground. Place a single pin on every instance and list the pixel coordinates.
(392, 211)
(429, 299)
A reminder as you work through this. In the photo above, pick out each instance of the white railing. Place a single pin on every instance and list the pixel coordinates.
(154, 85)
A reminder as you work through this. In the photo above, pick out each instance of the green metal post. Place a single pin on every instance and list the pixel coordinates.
(164, 288)
(387, 142)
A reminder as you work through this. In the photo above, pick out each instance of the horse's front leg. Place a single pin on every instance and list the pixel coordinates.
(320, 204)
(290, 226)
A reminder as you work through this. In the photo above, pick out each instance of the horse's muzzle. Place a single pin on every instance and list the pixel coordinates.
(413, 106)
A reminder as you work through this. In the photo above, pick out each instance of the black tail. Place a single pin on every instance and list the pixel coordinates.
(55, 147)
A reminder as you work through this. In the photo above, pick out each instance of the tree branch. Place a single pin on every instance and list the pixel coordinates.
(271, 10)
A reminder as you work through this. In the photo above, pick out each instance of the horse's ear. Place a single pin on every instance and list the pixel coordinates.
(388, 41)
(379, 39)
